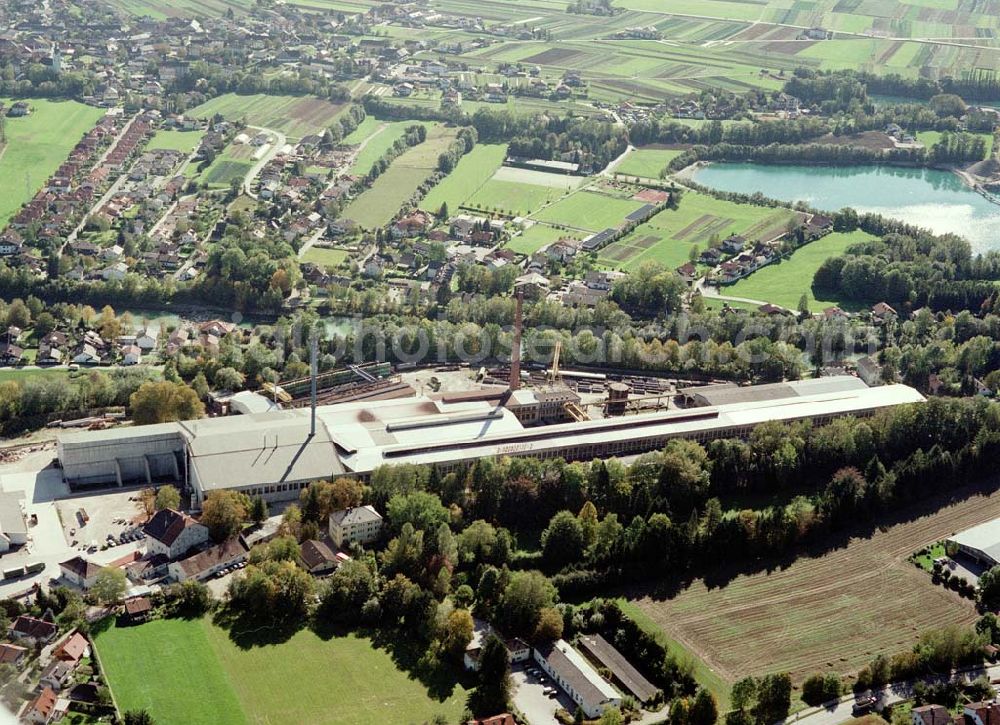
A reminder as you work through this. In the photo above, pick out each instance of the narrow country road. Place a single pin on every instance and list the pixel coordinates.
(840, 711)
(280, 140)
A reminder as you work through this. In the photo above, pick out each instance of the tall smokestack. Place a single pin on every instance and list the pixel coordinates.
(515, 351)
(313, 370)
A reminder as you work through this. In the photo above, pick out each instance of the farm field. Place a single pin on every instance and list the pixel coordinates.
(294, 116)
(586, 210)
(668, 237)
(325, 257)
(647, 163)
(234, 162)
(186, 141)
(36, 145)
(150, 667)
(470, 173)
(785, 282)
(831, 612)
(378, 204)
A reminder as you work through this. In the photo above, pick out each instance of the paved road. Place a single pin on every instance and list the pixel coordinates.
(280, 140)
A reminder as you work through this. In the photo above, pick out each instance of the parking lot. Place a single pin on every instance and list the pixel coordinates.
(530, 697)
(101, 520)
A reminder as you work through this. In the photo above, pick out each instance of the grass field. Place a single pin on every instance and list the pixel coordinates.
(36, 145)
(234, 162)
(585, 210)
(377, 205)
(186, 141)
(538, 236)
(785, 282)
(295, 116)
(187, 672)
(470, 174)
(324, 257)
(830, 612)
(668, 237)
(23, 375)
(647, 163)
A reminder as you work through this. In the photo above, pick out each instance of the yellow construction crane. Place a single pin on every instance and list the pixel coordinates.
(554, 372)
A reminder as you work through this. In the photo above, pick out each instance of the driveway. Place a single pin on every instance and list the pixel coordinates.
(538, 708)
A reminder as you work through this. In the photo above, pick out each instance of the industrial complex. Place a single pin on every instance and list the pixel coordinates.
(274, 454)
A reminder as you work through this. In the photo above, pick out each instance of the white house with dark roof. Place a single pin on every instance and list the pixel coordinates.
(80, 572)
(361, 525)
(172, 533)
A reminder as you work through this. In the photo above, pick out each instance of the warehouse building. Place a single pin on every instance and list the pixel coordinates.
(275, 454)
(980, 543)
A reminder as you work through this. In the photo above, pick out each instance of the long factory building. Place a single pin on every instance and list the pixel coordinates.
(275, 454)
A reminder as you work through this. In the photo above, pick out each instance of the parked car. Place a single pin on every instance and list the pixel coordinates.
(864, 705)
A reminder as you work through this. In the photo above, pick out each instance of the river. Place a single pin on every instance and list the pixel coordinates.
(933, 199)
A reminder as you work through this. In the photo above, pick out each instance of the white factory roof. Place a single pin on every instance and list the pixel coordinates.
(11, 517)
(259, 449)
(275, 447)
(498, 440)
(984, 538)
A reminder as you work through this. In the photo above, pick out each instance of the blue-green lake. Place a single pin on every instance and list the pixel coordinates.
(936, 200)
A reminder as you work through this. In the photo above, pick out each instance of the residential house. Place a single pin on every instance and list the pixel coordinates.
(131, 355)
(931, 715)
(32, 629)
(172, 533)
(602, 280)
(318, 558)
(216, 327)
(42, 708)
(710, 256)
(882, 312)
(57, 675)
(412, 225)
(869, 370)
(834, 313)
(517, 649)
(116, 271)
(504, 718)
(138, 609)
(86, 354)
(687, 272)
(204, 564)
(982, 713)
(11, 654)
(734, 244)
(361, 525)
(146, 339)
(10, 354)
(80, 572)
(73, 649)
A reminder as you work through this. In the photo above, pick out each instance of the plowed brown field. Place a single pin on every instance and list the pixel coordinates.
(831, 612)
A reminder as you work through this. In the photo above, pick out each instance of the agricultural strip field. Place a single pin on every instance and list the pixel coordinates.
(378, 137)
(36, 145)
(668, 237)
(341, 681)
(377, 205)
(588, 211)
(472, 171)
(785, 282)
(294, 116)
(647, 163)
(831, 612)
(186, 141)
